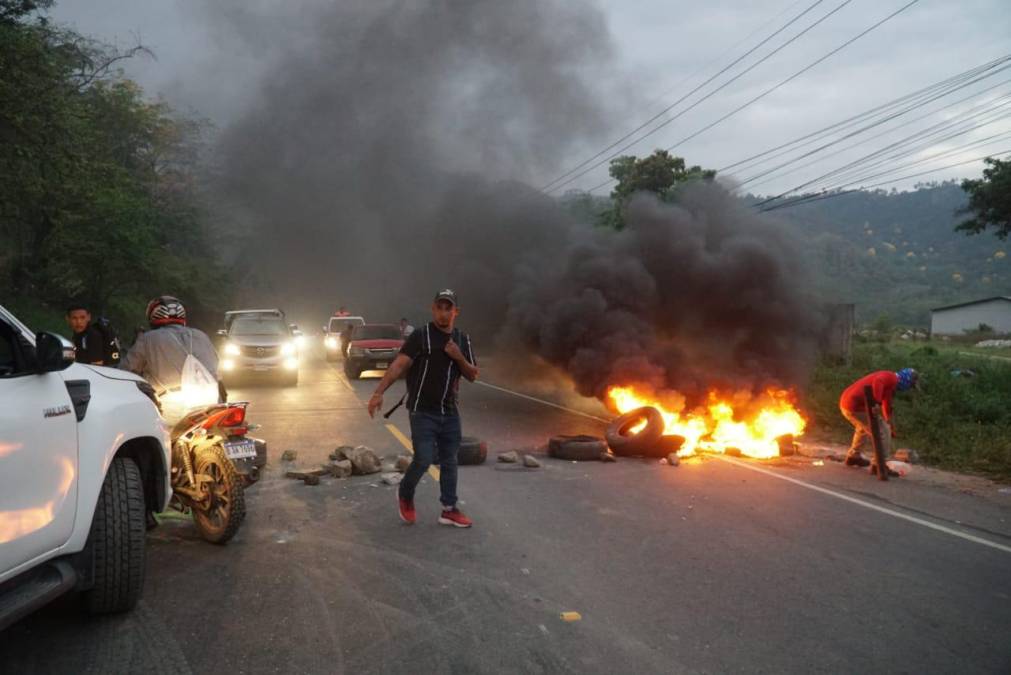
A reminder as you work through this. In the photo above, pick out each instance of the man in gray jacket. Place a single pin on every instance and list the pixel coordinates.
(158, 355)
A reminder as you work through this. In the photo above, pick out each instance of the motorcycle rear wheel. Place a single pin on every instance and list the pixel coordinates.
(227, 508)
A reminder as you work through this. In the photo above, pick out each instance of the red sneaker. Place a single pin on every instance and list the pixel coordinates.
(455, 518)
(407, 510)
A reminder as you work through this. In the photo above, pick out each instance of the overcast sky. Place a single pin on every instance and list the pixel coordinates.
(662, 49)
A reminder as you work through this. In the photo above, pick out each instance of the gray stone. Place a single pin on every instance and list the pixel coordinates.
(608, 457)
(311, 479)
(531, 462)
(392, 478)
(364, 460)
(289, 456)
(673, 459)
(341, 452)
(340, 468)
(297, 475)
(510, 457)
(402, 463)
(907, 455)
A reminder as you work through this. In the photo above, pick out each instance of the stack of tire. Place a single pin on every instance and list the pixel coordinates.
(649, 441)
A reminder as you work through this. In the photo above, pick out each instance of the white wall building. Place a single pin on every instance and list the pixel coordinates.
(956, 319)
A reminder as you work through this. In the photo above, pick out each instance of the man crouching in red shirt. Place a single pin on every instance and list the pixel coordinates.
(884, 384)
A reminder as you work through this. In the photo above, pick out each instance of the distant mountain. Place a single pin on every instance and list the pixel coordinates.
(896, 253)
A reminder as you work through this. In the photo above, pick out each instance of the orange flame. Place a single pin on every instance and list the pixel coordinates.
(752, 424)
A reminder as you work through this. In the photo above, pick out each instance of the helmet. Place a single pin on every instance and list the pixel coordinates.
(907, 378)
(165, 310)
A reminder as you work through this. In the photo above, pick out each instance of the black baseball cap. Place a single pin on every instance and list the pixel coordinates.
(447, 295)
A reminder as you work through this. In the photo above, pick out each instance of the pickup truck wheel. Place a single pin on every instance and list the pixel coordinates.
(117, 540)
(219, 523)
(352, 372)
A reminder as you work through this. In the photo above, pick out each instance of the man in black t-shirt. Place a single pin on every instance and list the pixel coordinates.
(434, 357)
(87, 338)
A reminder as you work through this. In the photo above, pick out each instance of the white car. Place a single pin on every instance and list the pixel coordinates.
(84, 460)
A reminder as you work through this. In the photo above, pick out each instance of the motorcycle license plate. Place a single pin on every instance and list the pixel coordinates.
(240, 449)
(382, 365)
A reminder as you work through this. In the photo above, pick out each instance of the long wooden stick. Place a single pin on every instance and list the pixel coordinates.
(876, 440)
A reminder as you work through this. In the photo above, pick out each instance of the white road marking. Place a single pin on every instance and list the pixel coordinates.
(868, 505)
(832, 493)
(542, 401)
(433, 471)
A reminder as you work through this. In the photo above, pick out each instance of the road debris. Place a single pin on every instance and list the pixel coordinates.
(510, 457)
(818, 462)
(531, 462)
(673, 459)
(901, 468)
(571, 616)
(339, 452)
(906, 455)
(289, 456)
(340, 468)
(608, 457)
(580, 448)
(363, 459)
(392, 478)
(403, 461)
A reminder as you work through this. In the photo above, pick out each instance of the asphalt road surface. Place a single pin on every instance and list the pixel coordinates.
(718, 565)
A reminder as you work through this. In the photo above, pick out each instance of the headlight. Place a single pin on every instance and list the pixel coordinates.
(232, 349)
(299, 341)
(288, 349)
(227, 364)
(330, 342)
(291, 363)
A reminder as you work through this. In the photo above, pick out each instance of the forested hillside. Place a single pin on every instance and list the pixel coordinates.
(896, 253)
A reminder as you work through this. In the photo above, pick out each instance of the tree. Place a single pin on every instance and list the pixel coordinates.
(660, 173)
(989, 200)
(98, 185)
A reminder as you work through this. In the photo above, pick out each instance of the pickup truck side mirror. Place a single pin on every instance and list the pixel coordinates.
(53, 353)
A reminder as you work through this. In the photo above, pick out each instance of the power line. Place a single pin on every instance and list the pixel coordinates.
(660, 114)
(784, 82)
(710, 94)
(962, 79)
(854, 163)
(924, 133)
(818, 197)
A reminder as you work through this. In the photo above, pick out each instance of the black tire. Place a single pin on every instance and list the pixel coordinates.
(577, 448)
(117, 540)
(472, 451)
(624, 443)
(219, 523)
(352, 372)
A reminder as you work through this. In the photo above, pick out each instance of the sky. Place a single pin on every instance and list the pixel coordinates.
(659, 51)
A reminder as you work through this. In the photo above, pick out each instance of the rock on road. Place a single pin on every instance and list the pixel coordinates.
(712, 566)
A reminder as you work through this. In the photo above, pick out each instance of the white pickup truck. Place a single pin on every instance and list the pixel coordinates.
(84, 462)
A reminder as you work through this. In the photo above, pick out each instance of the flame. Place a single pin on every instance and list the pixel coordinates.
(752, 424)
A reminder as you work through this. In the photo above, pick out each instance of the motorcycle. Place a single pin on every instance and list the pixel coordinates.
(213, 462)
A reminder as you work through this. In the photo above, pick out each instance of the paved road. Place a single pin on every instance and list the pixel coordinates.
(715, 566)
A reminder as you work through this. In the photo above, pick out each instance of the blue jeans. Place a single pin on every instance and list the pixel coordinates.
(436, 438)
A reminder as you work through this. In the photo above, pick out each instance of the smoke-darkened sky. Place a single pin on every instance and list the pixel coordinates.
(209, 60)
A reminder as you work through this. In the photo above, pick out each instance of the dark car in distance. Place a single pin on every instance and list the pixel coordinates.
(373, 347)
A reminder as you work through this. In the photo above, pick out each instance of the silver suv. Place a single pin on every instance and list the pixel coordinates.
(260, 345)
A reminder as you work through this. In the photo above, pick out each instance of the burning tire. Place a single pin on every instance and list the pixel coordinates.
(472, 451)
(645, 442)
(577, 448)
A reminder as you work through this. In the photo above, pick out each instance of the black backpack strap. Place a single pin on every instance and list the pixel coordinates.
(392, 410)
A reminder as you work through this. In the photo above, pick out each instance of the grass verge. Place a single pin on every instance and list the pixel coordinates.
(957, 421)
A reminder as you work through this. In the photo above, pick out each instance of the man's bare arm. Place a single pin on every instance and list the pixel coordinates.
(393, 373)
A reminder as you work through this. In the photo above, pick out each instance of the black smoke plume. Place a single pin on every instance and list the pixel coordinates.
(384, 158)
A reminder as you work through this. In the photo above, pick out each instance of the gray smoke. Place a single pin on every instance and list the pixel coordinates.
(689, 298)
(380, 160)
(383, 159)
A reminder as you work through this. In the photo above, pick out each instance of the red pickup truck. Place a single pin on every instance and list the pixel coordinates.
(373, 347)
